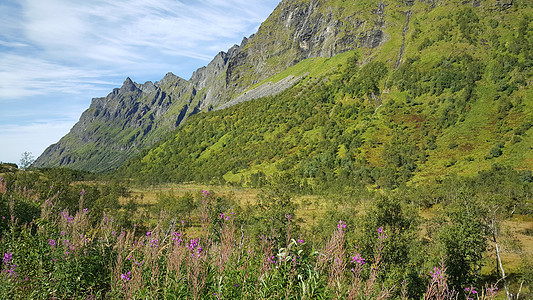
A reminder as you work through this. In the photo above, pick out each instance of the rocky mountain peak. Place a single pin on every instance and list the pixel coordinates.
(128, 86)
(146, 87)
(168, 79)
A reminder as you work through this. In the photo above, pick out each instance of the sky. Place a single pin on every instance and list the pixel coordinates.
(56, 55)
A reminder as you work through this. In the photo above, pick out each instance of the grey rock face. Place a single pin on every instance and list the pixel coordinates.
(118, 126)
(265, 90)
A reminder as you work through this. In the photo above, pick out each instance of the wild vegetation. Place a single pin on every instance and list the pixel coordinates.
(83, 239)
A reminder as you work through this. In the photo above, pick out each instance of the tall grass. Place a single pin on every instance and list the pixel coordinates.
(62, 255)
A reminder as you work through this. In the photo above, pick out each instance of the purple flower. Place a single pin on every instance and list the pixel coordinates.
(380, 232)
(7, 258)
(341, 225)
(82, 192)
(176, 237)
(300, 241)
(358, 259)
(148, 233)
(126, 277)
(11, 270)
(193, 245)
(67, 216)
(271, 259)
(51, 242)
(436, 273)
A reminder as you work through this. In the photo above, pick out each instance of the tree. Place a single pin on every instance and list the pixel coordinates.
(400, 222)
(26, 160)
(462, 242)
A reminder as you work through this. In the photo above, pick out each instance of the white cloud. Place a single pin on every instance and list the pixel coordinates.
(137, 29)
(21, 76)
(12, 44)
(32, 138)
(64, 40)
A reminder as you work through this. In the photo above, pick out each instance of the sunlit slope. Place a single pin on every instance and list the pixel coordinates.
(456, 99)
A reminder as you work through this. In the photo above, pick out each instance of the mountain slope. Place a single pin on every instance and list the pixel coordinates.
(447, 91)
(117, 126)
(135, 116)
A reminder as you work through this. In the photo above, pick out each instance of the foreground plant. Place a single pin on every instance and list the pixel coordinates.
(64, 255)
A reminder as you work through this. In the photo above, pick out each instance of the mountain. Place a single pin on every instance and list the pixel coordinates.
(446, 91)
(136, 116)
(331, 92)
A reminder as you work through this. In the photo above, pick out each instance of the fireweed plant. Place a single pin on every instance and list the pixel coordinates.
(60, 254)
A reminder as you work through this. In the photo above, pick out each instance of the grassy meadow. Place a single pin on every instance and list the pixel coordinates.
(194, 241)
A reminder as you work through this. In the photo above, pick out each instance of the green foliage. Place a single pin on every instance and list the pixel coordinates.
(462, 243)
(376, 140)
(468, 23)
(262, 249)
(363, 82)
(275, 209)
(527, 271)
(496, 151)
(338, 126)
(8, 167)
(400, 223)
(402, 156)
(170, 204)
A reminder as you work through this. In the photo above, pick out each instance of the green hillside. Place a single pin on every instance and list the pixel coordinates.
(457, 100)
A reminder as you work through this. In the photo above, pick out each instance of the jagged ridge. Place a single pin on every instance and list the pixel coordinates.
(136, 116)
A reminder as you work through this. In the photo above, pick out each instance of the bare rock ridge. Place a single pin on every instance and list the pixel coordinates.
(267, 89)
(135, 116)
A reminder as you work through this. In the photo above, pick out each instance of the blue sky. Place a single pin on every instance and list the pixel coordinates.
(56, 55)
